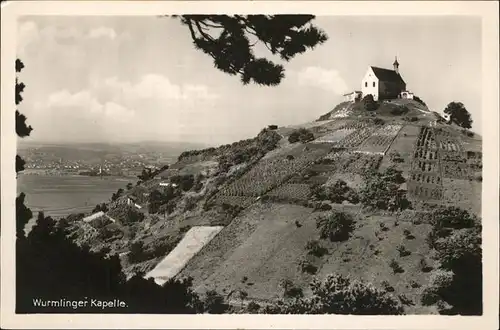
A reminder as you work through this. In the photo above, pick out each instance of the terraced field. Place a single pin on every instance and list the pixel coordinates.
(270, 173)
(379, 140)
(291, 192)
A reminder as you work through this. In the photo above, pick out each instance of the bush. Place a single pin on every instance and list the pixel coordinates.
(307, 267)
(396, 157)
(253, 307)
(136, 253)
(337, 193)
(387, 287)
(424, 266)
(451, 217)
(428, 297)
(303, 135)
(341, 295)
(403, 251)
(369, 104)
(315, 248)
(419, 100)
(400, 110)
(396, 268)
(214, 303)
(381, 191)
(410, 119)
(337, 226)
(441, 281)
(185, 182)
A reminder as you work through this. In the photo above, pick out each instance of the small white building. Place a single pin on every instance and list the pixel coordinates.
(447, 117)
(168, 184)
(352, 96)
(407, 95)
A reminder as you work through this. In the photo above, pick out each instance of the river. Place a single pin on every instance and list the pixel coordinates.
(61, 195)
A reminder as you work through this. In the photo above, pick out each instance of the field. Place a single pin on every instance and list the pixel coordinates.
(355, 138)
(335, 136)
(269, 173)
(353, 162)
(194, 240)
(291, 192)
(366, 256)
(403, 146)
(264, 246)
(465, 193)
(379, 140)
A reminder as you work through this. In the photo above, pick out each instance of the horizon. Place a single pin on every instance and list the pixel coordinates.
(134, 79)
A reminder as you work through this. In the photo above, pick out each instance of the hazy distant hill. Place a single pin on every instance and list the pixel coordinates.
(91, 151)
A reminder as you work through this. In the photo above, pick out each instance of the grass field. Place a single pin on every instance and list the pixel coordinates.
(194, 240)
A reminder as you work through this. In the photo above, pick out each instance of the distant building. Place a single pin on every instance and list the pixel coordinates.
(407, 95)
(447, 117)
(352, 96)
(383, 83)
(168, 184)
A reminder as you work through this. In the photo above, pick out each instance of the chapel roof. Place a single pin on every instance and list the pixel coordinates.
(387, 75)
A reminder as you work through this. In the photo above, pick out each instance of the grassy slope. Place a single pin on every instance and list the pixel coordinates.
(264, 244)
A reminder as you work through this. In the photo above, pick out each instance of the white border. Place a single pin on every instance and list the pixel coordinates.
(488, 10)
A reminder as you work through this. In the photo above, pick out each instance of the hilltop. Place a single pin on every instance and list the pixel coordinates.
(381, 173)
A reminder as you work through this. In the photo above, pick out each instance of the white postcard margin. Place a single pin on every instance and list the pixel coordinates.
(487, 10)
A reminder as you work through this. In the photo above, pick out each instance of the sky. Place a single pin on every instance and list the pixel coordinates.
(131, 79)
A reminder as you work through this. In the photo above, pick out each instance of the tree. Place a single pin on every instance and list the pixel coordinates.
(369, 103)
(145, 175)
(459, 114)
(337, 226)
(229, 40)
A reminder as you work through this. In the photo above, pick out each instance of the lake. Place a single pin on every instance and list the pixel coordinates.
(62, 195)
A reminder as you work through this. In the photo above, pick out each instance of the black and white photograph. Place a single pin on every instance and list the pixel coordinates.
(197, 162)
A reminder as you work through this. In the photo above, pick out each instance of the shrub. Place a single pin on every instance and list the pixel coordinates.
(381, 191)
(387, 287)
(419, 100)
(337, 193)
(403, 251)
(414, 284)
(253, 307)
(396, 157)
(315, 248)
(185, 182)
(369, 104)
(396, 268)
(136, 253)
(322, 207)
(460, 250)
(378, 121)
(428, 297)
(337, 226)
(303, 135)
(405, 300)
(293, 292)
(410, 119)
(452, 217)
(400, 110)
(214, 303)
(424, 266)
(441, 280)
(341, 295)
(307, 267)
